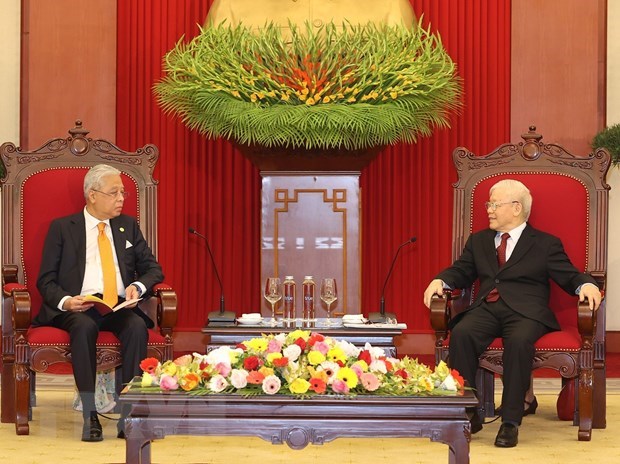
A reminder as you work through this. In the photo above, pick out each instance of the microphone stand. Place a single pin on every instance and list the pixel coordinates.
(221, 317)
(381, 317)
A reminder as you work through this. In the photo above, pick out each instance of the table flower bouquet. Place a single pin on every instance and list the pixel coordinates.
(301, 363)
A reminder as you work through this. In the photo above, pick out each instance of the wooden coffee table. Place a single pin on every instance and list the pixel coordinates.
(297, 422)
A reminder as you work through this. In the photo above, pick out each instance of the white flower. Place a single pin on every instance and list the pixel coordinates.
(375, 352)
(218, 383)
(378, 366)
(350, 350)
(330, 368)
(239, 378)
(220, 355)
(449, 384)
(271, 385)
(292, 352)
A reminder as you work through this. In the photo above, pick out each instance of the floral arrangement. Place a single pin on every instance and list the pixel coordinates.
(300, 363)
(346, 87)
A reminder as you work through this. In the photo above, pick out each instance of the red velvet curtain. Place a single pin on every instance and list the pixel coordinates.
(208, 185)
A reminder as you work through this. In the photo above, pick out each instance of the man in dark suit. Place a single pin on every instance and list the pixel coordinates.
(513, 263)
(73, 266)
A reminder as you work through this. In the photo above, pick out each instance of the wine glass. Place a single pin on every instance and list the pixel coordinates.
(273, 294)
(329, 294)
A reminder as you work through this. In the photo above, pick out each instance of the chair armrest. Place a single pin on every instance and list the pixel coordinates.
(166, 307)
(16, 308)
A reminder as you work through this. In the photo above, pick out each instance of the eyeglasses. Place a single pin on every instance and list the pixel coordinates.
(494, 206)
(115, 195)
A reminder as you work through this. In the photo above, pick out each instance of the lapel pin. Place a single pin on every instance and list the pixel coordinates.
(122, 229)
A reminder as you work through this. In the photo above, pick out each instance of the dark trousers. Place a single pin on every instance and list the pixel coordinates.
(473, 333)
(83, 330)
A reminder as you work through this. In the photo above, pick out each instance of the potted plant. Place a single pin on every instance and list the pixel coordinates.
(609, 138)
(349, 88)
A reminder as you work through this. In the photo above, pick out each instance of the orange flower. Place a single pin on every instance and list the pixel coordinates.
(255, 377)
(149, 365)
(190, 381)
(317, 385)
(280, 362)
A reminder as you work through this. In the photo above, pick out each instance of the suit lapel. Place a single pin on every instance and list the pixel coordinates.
(490, 252)
(78, 235)
(526, 241)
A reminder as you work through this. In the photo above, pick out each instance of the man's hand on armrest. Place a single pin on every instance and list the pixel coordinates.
(592, 293)
(435, 287)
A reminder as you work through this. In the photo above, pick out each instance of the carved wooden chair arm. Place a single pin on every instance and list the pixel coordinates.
(19, 319)
(166, 307)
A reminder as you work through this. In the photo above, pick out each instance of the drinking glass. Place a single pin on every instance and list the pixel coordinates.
(273, 294)
(329, 294)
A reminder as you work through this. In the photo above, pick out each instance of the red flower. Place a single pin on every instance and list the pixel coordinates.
(402, 373)
(301, 343)
(458, 377)
(365, 356)
(203, 365)
(149, 365)
(315, 337)
(317, 385)
(242, 346)
(250, 363)
(280, 362)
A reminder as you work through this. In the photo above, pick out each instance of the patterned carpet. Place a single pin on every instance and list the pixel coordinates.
(55, 432)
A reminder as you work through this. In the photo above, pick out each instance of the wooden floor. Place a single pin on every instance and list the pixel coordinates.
(56, 428)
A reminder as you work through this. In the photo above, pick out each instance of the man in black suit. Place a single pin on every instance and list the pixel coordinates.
(71, 267)
(513, 263)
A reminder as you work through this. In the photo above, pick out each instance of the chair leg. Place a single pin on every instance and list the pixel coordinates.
(8, 391)
(599, 420)
(585, 404)
(22, 398)
(485, 383)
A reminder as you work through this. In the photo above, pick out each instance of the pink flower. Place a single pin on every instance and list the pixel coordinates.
(274, 346)
(322, 347)
(184, 360)
(168, 382)
(271, 385)
(370, 381)
(217, 383)
(340, 386)
(357, 369)
(223, 368)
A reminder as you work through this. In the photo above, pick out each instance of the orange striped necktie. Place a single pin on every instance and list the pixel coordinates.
(110, 293)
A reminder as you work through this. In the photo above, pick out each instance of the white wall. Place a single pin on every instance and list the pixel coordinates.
(613, 178)
(9, 70)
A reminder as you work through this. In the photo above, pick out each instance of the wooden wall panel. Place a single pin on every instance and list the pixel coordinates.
(68, 68)
(558, 70)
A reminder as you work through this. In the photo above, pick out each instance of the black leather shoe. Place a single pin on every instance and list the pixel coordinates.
(532, 406)
(508, 436)
(121, 434)
(475, 423)
(120, 426)
(92, 430)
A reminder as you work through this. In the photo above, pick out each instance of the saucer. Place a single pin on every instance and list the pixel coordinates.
(250, 320)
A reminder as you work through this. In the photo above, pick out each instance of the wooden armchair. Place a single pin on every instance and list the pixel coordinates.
(570, 201)
(39, 186)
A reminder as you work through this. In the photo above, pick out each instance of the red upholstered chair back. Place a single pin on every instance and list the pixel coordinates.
(570, 201)
(559, 207)
(47, 183)
(48, 194)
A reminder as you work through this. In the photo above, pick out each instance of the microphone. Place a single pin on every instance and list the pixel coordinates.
(382, 316)
(221, 317)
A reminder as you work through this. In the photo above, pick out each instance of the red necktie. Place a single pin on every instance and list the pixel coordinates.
(501, 260)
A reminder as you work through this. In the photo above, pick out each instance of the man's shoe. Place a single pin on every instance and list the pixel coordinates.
(120, 434)
(120, 426)
(92, 430)
(508, 436)
(475, 423)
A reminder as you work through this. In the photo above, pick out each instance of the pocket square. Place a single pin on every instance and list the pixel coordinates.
(128, 244)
